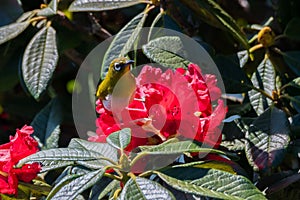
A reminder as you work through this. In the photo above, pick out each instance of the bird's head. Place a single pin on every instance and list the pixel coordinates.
(120, 65)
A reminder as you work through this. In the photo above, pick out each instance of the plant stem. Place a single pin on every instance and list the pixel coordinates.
(113, 176)
(147, 173)
(261, 91)
(37, 19)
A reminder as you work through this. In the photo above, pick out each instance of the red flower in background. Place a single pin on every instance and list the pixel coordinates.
(20, 146)
(167, 104)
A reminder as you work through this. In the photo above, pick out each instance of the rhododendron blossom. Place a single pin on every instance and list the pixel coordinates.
(20, 146)
(181, 103)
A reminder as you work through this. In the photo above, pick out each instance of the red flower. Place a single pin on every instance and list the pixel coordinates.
(20, 146)
(167, 104)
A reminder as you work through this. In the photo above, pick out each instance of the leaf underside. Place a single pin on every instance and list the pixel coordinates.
(100, 5)
(39, 61)
(213, 183)
(267, 139)
(263, 78)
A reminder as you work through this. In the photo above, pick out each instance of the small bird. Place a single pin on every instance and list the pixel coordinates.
(117, 88)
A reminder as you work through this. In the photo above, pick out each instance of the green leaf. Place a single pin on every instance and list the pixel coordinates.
(235, 79)
(267, 139)
(216, 184)
(102, 188)
(295, 83)
(21, 196)
(25, 16)
(191, 172)
(105, 149)
(160, 156)
(109, 189)
(11, 31)
(162, 21)
(180, 147)
(30, 188)
(250, 66)
(277, 59)
(77, 186)
(94, 164)
(46, 124)
(65, 180)
(292, 58)
(52, 140)
(120, 139)
(167, 51)
(154, 22)
(112, 192)
(39, 61)
(189, 164)
(215, 164)
(141, 188)
(101, 5)
(72, 170)
(61, 155)
(51, 165)
(243, 57)
(233, 135)
(169, 141)
(214, 15)
(292, 29)
(263, 78)
(50, 10)
(123, 41)
(234, 145)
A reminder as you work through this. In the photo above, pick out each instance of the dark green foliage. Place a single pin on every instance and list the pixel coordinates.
(42, 49)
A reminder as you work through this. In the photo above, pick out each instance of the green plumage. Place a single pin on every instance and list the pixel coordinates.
(119, 67)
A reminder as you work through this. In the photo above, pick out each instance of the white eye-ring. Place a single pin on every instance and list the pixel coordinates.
(117, 66)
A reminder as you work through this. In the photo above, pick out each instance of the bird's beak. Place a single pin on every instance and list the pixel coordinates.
(128, 62)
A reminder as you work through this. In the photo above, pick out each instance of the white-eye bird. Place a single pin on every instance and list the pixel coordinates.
(117, 88)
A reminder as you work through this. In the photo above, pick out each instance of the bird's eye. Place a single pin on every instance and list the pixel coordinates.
(117, 66)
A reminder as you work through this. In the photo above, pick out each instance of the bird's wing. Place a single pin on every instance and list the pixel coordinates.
(107, 102)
